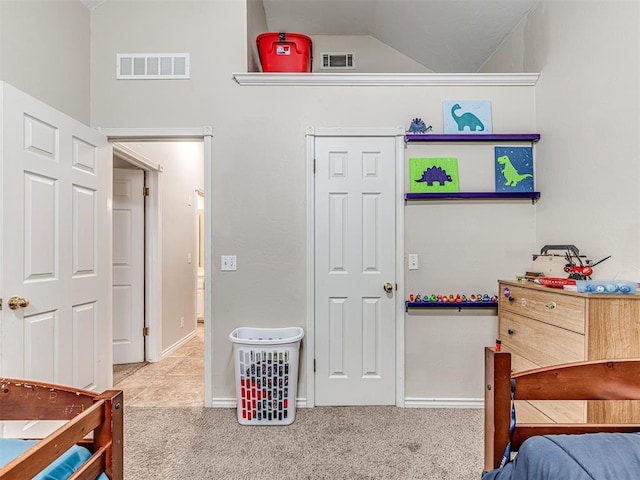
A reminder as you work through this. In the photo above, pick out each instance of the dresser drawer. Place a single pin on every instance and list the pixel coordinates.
(539, 342)
(565, 311)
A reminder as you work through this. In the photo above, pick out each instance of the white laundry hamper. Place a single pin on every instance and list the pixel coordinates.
(266, 365)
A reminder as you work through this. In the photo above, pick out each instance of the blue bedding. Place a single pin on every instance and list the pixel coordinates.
(62, 468)
(597, 456)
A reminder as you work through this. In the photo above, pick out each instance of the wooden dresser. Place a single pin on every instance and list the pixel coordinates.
(545, 326)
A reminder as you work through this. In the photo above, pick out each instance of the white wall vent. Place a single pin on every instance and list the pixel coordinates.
(152, 66)
(338, 60)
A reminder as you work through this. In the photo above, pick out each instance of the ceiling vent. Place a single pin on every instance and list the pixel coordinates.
(338, 60)
(152, 66)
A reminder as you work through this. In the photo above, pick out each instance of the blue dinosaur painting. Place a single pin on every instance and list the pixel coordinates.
(464, 116)
(514, 169)
(433, 175)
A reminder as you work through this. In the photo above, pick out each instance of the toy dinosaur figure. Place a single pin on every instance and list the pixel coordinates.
(418, 126)
(467, 119)
(509, 172)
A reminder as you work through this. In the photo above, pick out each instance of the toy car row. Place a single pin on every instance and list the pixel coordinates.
(434, 298)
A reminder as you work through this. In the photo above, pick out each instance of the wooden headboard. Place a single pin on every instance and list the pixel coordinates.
(617, 379)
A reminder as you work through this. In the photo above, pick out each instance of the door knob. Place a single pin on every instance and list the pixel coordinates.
(18, 302)
(388, 287)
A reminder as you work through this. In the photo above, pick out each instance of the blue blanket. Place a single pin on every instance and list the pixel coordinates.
(62, 468)
(597, 456)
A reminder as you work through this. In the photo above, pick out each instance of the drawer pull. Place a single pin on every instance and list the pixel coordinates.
(510, 331)
(551, 305)
(511, 299)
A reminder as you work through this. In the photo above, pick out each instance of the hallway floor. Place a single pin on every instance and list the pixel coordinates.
(175, 381)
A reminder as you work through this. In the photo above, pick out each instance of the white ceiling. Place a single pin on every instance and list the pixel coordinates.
(446, 36)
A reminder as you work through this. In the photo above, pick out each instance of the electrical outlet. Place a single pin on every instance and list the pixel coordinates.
(413, 261)
(228, 262)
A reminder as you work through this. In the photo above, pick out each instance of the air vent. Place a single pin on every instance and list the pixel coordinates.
(338, 60)
(152, 66)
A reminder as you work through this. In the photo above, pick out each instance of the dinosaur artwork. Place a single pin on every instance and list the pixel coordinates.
(467, 117)
(509, 172)
(466, 120)
(514, 169)
(433, 175)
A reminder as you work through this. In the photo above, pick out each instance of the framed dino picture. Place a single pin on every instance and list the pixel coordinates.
(514, 169)
(429, 175)
(465, 116)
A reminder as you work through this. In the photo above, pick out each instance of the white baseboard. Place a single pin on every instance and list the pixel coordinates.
(223, 402)
(409, 402)
(178, 344)
(416, 402)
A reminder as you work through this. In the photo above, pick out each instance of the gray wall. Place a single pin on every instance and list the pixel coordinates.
(587, 107)
(259, 181)
(44, 51)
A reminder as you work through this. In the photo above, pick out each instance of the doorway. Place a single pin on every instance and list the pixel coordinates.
(173, 325)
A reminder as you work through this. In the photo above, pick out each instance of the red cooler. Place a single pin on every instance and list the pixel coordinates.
(284, 52)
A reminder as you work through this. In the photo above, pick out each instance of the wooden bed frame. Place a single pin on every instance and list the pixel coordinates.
(595, 380)
(84, 412)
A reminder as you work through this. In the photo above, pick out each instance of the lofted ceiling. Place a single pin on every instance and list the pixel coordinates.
(446, 36)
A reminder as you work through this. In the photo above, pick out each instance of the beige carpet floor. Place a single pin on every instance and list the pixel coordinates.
(323, 443)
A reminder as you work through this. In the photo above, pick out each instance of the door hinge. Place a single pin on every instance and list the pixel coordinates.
(146, 191)
(145, 331)
(0, 304)
(314, 165)
(314, 364)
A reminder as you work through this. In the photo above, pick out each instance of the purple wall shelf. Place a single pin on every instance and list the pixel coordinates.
(458, 305)
(472, 137)
(471, 195)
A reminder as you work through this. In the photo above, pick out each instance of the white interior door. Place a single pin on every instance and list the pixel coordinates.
(56, 246)
(128, 265)
(355, 253)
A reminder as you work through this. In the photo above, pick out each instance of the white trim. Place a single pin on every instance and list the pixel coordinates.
(416, 402)
(209, 225)
(130, 134)
(398, 132)
(178, 344)
(135, 158)
(386, 79)
(355, 132)
(309, 341)
(224, 402)
(205, 133)
(400, 310)
(153, 266)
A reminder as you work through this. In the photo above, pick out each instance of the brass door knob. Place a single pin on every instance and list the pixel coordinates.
(388, 287)
(18, 302)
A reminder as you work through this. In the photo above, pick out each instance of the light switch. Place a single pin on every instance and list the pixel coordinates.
(413, 261)
(228, 262)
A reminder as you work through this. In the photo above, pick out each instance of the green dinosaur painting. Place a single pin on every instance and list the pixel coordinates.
(514, 169)
(429, 175)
